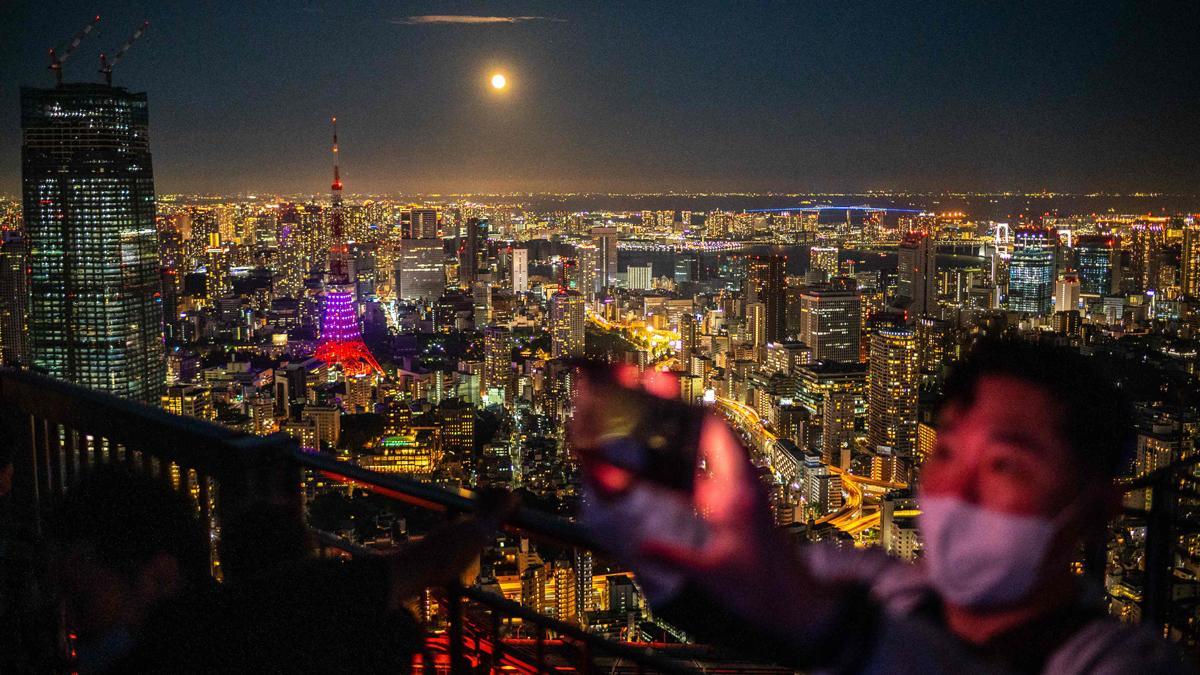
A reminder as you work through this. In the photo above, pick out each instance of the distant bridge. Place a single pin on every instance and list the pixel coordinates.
(860, 207)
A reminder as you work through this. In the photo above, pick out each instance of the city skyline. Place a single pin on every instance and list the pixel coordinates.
(233, 276)
(624, 98)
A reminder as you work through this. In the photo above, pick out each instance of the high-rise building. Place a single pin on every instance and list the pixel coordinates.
(14, 299)
(837, 426)
(520, 270)
(831, 322)
(687, 268)
(1189, 258)
(893, 378)
(640, 277)
(589, 272)
(497, 358)
(95, 306)
(566, 324)
(824, 259)
(605, 239)
(456, 419)
(1145, 252)
(1098, 262)
(420, 270)
(470, 251)
(916, 274)
(1031, 271)
(423, 224)
(935, 342)
(766, 283)
(1066, 293)
(689, 338)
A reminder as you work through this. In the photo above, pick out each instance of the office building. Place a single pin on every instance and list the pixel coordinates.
(831, 322)
(823, 259)
(640, 277)
(423, 224)
(605, 240)
(471, 250)
(1066, 293)
(935, 344)
(916, 274)
(566, 324)
(893, 379)
(95, 313)
(687, 268)
(520, 270)
(1146, 253)
(1031, 271)
(497, 359)
(1189, 258)
(1098, 264)
(420, 270)
(766, 283)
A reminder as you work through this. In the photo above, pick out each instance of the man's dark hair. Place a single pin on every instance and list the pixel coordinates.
(1094, 415)
(128, 519)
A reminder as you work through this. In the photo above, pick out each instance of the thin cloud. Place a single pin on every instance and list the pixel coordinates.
(467, 20)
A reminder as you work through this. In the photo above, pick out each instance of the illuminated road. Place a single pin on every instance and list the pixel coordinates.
(658, 342)
(858, 491)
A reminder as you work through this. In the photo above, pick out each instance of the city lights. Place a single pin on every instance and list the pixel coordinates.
(618, 340)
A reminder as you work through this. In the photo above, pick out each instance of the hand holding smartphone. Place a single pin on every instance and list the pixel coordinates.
(621, 424)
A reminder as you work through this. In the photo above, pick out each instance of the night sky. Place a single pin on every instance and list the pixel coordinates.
(654, 96)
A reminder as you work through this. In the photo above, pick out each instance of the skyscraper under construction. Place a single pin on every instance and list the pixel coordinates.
(95, 313)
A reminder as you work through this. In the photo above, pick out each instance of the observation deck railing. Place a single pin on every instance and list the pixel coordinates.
(60, 432)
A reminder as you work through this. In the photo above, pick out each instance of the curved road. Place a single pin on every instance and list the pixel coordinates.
(849, 518)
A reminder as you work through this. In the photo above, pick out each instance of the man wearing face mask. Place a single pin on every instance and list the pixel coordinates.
(1029, 441)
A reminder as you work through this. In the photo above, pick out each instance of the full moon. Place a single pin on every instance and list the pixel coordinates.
(499, 81)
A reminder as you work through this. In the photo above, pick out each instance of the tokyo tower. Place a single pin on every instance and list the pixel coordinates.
(341, 341)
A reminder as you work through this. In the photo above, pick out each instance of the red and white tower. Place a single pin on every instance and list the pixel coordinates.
(341, 341)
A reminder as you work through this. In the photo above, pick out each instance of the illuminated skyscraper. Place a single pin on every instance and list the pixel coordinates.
(1097, 259)
(566, 324)
(423, 224)
(916, 274)
(640, 277)
(1189, 258)
(341, 338)
(893, 378)
(831, 322)
(825, 259)
(497, 358)
(420, 270)
(687, 268)
(935, 343)
(520, 271)
(766, 283)
(605, 239)
(1031, 271)
(14, 299)
(471, 250)
(88, 186)
(1145, 253)
(1066, 293)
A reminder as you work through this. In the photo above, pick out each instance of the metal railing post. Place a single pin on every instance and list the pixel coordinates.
(454, 607)
(1159, 558)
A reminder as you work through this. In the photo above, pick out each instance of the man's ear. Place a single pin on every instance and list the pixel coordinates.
(159, 578)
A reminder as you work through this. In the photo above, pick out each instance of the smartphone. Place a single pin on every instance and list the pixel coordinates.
(653, 437)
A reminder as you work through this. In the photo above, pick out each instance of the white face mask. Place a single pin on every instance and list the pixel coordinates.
(980, 558)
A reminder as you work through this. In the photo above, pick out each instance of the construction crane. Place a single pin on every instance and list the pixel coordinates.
(56, 61)
(106, 66)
